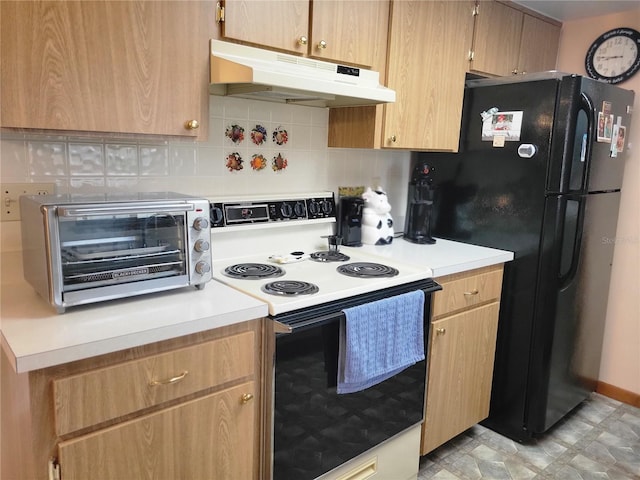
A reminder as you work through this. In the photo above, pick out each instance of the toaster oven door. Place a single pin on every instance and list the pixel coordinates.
(104, 253)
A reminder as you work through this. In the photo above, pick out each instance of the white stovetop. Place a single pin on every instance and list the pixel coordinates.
(331, 284)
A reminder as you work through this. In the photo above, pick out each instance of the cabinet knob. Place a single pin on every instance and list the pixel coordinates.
(441, 331)
(303, 40)
(322, 45)
(246, 398)
(392, 139)
(514, 71)
(192, 125)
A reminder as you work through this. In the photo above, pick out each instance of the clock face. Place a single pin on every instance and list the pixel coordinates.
(614, 56)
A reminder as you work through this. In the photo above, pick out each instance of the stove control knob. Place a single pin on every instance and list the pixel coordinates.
(215, 215)
(314, 208)
(202, 268)
(200, 223)
(286, 210)
(299, 209)
(201, 246)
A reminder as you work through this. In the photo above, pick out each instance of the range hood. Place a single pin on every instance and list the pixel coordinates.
(248, 72)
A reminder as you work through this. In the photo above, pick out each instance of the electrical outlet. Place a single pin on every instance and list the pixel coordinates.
(11, 193)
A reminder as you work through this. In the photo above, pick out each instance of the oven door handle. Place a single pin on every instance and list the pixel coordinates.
(279, 327)
(118, 209)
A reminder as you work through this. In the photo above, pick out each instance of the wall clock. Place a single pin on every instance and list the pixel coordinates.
(614, 56)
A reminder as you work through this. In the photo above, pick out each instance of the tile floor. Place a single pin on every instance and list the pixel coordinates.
(599, 440)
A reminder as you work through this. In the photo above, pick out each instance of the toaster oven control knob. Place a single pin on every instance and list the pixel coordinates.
(200, 223)
(326, 207)
(202, 268)
(201, 246)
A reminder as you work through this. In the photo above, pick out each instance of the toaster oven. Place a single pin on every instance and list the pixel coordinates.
(83, 251)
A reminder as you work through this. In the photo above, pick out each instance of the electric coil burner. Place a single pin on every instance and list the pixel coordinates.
(253, 271)
(329, 256)
(290, 287)
(367, 270)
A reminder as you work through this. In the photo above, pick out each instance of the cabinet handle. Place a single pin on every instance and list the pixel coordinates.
(441, 331)
(246, 398)
(514, 71)
(322, 45)
(303, 40)
(192, 125)
(472, 292)
(176, 379)
(392, 139)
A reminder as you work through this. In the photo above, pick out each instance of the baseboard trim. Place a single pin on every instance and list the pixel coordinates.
(617, 393)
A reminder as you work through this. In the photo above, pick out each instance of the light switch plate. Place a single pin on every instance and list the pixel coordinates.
(11, 193)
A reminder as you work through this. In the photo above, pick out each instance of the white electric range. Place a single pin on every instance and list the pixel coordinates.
(253, 236)
(317, 432)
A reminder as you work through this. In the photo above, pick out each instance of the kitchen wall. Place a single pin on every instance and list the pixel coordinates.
(95, 164)
(620, 365)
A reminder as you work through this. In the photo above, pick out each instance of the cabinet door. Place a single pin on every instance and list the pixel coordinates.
(348, 31)
(496, 42)
(460, 373)
(428, 59)
(278, 24)
(539, 46)
(126, 67)
(208, 438)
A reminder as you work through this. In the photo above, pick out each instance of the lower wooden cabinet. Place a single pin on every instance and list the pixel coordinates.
(206, 438)
(461, 356)
(187, 408)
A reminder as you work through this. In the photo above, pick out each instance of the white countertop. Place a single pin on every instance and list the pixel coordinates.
(34, 336)
(443, 257)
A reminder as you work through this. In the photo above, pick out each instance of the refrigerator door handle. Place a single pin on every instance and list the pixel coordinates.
(586, 105)
(571, 241)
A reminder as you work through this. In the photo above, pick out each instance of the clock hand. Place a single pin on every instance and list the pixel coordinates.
(603, 57)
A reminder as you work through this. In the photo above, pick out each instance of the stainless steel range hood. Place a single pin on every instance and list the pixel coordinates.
(248, 72)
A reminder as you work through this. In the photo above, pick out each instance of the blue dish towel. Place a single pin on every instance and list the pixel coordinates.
(380, 339)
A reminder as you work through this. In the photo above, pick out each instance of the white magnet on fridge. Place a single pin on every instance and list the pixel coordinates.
(527, 150)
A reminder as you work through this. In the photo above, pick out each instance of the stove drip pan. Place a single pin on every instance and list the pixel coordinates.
(367, 270)
(253, 271)
(329, 256)
(289, 288)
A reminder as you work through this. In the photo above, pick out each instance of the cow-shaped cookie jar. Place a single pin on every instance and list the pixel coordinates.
(377, 224)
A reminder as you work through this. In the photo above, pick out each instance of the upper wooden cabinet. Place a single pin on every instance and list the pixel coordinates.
(427, 62)
(346, 31)
(508, 41)
(426, 67)
(539, 45)
(110, 66)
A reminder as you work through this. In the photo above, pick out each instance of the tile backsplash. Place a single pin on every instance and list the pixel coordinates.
(80, 165)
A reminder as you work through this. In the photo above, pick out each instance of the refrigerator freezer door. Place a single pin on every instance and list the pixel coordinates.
(571, 304)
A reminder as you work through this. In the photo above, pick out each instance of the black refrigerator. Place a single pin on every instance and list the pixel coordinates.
(539, 172)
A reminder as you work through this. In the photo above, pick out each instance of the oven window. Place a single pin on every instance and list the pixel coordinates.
(315, 429)
(106, 250)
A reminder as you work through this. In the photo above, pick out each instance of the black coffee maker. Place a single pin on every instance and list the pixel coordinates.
(350, 221)
(417, 226)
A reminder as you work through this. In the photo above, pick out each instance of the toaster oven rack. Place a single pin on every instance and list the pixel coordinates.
(78, 281)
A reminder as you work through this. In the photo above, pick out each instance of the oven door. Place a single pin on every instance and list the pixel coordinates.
(317, 430)
(105, 250)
